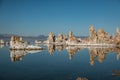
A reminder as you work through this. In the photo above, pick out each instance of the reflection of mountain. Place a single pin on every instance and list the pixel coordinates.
(116, 73)
(52, 48)
(81, 78)
(101, 53)
(17, 55)
(94, 52)
(3, 45)
(72, 50)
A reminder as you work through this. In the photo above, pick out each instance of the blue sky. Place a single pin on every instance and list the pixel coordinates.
(39, 17)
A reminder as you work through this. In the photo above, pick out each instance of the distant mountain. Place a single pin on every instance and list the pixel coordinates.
(82, 37)
(42, 37)
(8, 36)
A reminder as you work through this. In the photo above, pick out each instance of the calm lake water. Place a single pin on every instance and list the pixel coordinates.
(60, 63)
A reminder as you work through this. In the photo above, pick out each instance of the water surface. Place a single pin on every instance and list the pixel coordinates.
(60, 63)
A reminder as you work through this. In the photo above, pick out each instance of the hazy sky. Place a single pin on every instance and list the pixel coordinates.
(39, 17)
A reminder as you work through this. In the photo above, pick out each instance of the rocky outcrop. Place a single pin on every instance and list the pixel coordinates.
(60, 39)
(72, 40)
(103, 37)
(93, 35)
(71, 37)
(117, 37)
(17, 43)
(96, 38)
(51, 37)
(100, 37)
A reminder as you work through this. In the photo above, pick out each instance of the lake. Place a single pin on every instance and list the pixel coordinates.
(60, 63)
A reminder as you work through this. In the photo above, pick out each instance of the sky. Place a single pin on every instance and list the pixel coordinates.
(39, 17)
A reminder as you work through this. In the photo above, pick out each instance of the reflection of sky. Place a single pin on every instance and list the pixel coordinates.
(43, 66)
(34, 17)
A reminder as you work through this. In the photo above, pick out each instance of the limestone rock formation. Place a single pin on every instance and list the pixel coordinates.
(100, 37)
(118, 31)
(93, 35)
(51, 37)
(117, 36)
(60, 39)
(72, 39)
(95, 38)
(103, 37)
(17, 42)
